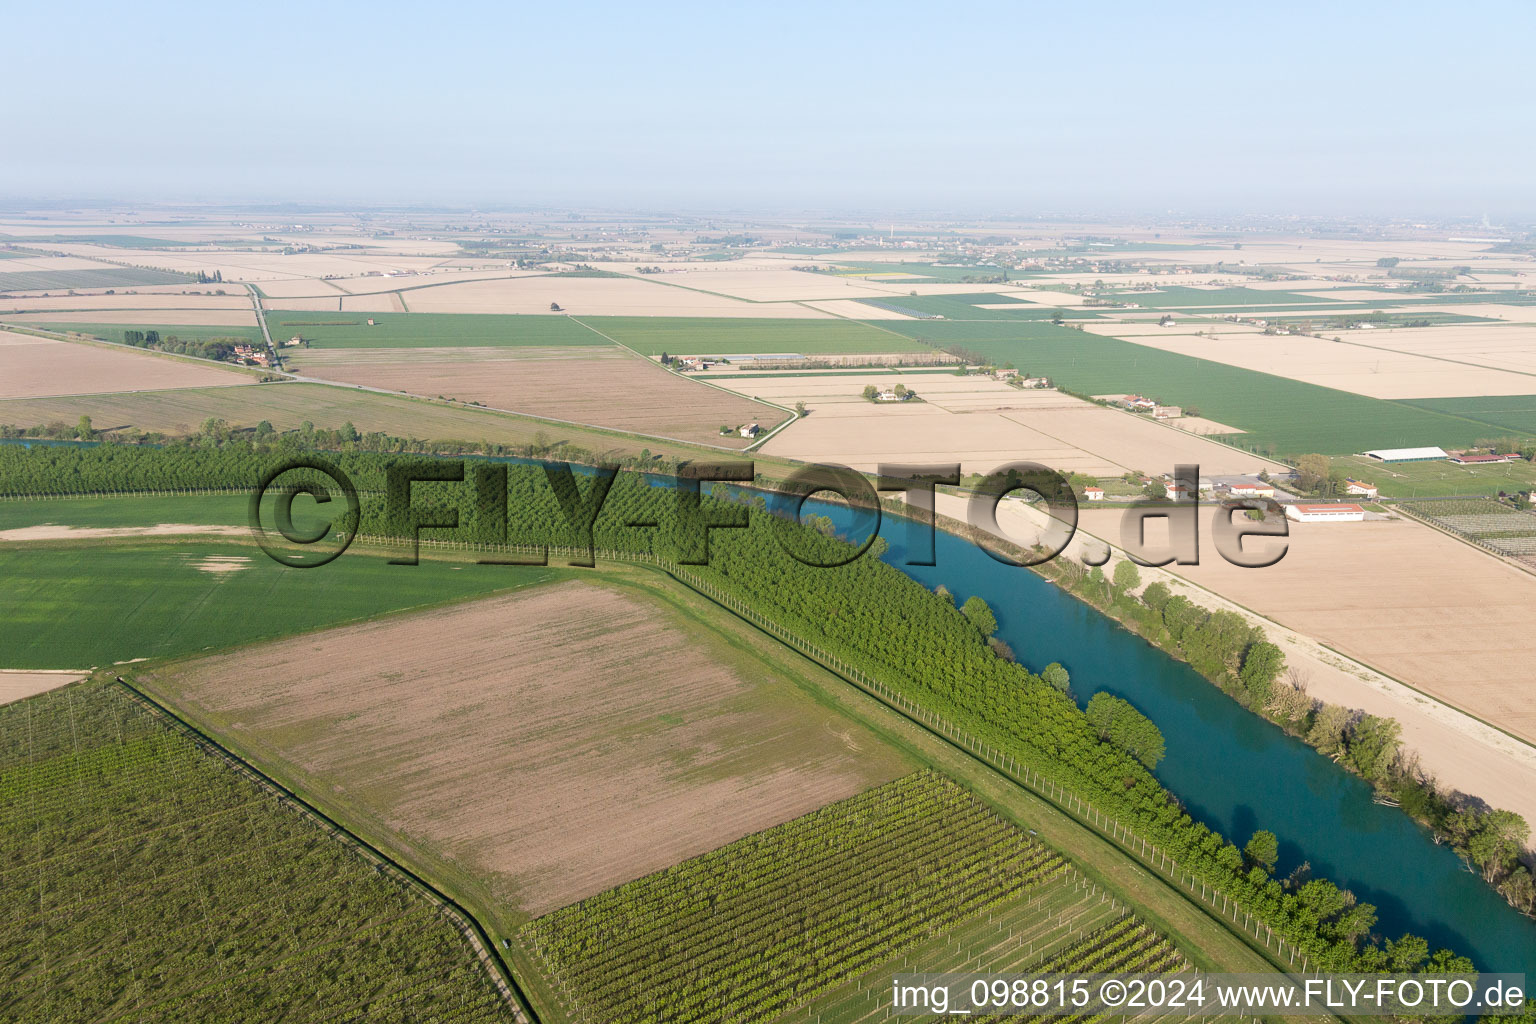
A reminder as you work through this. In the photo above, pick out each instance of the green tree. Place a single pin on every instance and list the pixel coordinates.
(264, 429)
(1056, 676)
(870, 391)
(1119, 722)
(1328, 729)
(1156, 596)
(799, 408)
(1127, 577)
(1262, 664)
(83, 429)
(1263, 849)
(1373, 746)
(980, 615)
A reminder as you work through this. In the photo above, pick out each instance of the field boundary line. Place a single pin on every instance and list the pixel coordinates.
(465, 922)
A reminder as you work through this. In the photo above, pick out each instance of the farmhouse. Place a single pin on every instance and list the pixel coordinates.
(1093, 493)
(888, 395)
(1035, 382)
(1251, 490)
(1177, 490)
(750, 430)
(1333, 513)
(295, 341)
(1476, 458)
(1360, 488)
(1138, 403)
(1166, 412)
(1408, 454)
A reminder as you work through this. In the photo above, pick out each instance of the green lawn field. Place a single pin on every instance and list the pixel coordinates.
(425, 330)
(87, 604)
(1437, 479)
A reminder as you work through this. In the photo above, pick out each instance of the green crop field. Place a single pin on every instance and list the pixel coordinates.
(126, 511)
(425, 330)
(1294, 417)
(114, 332)
(965, 307)
(107, 277)
(728, 336)
(756, 927)
(1503, 414)
(1435, 479)
(149, 881)
(1178, 295)
(149, 599)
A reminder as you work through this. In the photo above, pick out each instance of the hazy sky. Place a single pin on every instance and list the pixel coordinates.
(1021, 107)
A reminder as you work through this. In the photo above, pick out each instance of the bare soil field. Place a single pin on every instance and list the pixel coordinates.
(593, 296)
(1362, 363)
(14, 685)
(1402, 597)
(551, 743)
(1139, 443)
(1505, 346)
(602, 386)
(856, 310)
(981, 424)
(32, 367)
(771, 284)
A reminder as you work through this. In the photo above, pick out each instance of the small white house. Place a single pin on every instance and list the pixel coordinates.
(1332, 513)
(1093, 493)
(1176, 490)
(751, 430)
(887, 396)
(1361, 489)
(1254, 490)
(295, 341)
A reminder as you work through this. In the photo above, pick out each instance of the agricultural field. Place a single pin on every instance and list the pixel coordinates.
(1064, 925)
(606, 387)
(154, 320)
(1489, 523)
(1175, 296)
(1511, 414)
(652, 336)
(581, 295)
(541, 747)
(151, 599)
(288, 405)
(979, 306)
(150, 881)
(978, 422)
(34, 367)
(1371, 367)
(756, 927)
(105, 277)
(428, 330)
(1293, 417)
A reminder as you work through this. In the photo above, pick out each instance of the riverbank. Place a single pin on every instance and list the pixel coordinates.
(1460, 752)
